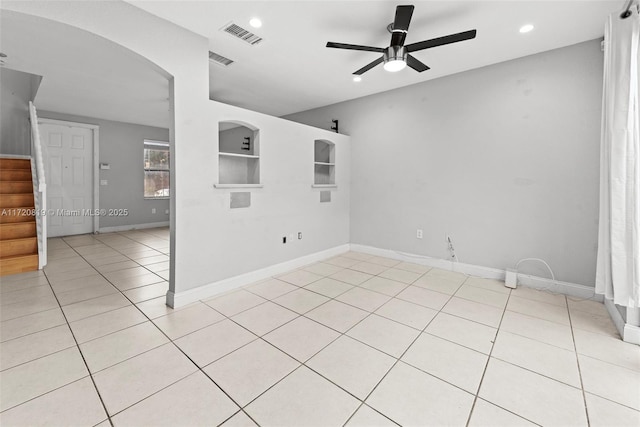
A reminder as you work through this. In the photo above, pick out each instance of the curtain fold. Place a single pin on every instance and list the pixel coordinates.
(618, 261)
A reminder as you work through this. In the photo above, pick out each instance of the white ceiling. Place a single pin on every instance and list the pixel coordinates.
(292, 70)
(84, 74)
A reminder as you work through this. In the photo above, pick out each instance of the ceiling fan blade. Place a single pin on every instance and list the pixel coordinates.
(416, 64)
(400, 25)
(369, 66)
(355, 47)
(440, 41)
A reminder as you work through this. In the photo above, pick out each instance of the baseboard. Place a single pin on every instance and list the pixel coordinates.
(566, 288)
(133, 227)
(181, 299)
(629, 333)
(15, 156)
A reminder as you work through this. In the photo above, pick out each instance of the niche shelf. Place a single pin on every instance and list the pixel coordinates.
(324, 164)
(238, 156)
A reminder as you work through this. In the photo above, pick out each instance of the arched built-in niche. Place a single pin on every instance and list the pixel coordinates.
(324, 163)
(238, 154)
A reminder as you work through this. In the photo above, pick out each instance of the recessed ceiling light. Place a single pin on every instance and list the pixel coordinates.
(255, 22)
(526, 28)
(357, 79)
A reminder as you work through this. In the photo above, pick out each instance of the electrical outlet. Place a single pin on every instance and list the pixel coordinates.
(153, 210)
(419, 233)
(284, 239)
(299, 235)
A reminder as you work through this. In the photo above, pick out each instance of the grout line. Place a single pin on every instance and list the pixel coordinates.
(82, 355)
(575, 350)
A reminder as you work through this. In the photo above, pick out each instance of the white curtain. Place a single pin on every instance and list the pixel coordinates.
(618, 262)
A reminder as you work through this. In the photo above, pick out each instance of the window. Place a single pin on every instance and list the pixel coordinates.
(156, 169)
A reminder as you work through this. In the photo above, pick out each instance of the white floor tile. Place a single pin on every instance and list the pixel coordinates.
(467, 333)
(25, 325)
(402, 394)
(410, 266)
(424, 297)
(483, 296)
(384, 286)
(264, 318)
(448, 361)
(240, 419)
(270, 289)
(486, 414)
(55, 408)
(488, 284)
(102, 324)
(322, 269)
(398, 275)
(383, 334)
(329, 287)
(450, 275)
(251, 370)
(301, 300)
(118, 346)
(475, 311)
(593, 323)
(352, 365)
(439, 284)
(525, 393)
(188, 320)
(148, 292)
(192, 401)
(538, 295)
(303, 398)
(545, 359)
(367, 417)
(541, 310)
(215, 341)
(40, 376)
(608, 349)
(144, 375)
(538, 329)
(357, 255)
(235, 302)
(369, 268)
(610, 381)
(387, 262)
(84, 309)
(337, 315)
(605, 413)
(351, 277)
(29, 347)
(407, 313)
(301, 338)
(363, 298)
(299, 277)
(341, 261)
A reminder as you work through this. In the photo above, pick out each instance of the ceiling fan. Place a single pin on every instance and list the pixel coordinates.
(398, 55)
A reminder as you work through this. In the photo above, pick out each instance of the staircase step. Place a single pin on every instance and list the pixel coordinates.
(15, 187)
(18, 230)
(15, 163)
(15, 174)
(13, 247)
(18, 264)
(15, 200)
(21, 214)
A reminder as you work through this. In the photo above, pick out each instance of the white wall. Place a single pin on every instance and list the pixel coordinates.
(16, 90)
(504, 159)
(209, 243)
(121, 146)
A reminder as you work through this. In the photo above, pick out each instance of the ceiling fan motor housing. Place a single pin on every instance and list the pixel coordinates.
(395, 53)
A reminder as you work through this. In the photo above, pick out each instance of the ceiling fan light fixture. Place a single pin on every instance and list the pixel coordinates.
(395, 58)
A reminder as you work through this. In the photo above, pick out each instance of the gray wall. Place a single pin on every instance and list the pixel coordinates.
(16, 90)
(121, 145)
(503, 158)
(231, 140)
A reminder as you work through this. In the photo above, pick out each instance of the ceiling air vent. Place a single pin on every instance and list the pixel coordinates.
(219, 59)
(241, 33)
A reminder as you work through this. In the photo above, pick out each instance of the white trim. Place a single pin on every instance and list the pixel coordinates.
(133, 227)
(324, 186)
(181, 299)
(96, 161)
(223, 186)
(14, 156)
(573, 289)
(628, 332)
(615, 315)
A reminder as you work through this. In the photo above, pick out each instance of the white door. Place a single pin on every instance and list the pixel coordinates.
(68, 164)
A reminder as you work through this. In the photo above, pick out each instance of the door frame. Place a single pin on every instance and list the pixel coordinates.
(96, 159)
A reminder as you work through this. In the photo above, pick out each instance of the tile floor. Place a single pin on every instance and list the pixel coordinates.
(355, 340)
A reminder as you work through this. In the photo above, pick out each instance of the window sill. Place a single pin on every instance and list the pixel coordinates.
(324, 186)
(157, 198)
(223, 186)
